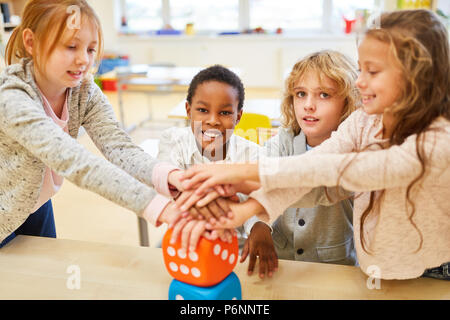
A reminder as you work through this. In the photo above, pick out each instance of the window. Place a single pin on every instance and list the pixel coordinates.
(143, 15)
(205, 15)
(239, 15)
(349, 8)
(286, 14)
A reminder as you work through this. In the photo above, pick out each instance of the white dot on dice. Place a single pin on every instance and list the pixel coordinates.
(181, 253)
(184, 269)
(224, 254)
(193, 256)
(195, 272)
(171, 251)
(173, 266)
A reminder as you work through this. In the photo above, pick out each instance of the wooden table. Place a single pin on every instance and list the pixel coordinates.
(41, 268)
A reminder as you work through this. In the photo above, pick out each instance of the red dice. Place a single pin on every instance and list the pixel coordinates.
(209, 264)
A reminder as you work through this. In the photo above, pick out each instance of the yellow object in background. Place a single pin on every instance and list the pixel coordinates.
(190, 29)
(413, 4)
(250, 124)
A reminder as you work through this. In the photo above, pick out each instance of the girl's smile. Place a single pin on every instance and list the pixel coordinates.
(380, 80)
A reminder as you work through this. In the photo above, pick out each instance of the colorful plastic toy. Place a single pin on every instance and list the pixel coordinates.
(208, 265)
(228, 289)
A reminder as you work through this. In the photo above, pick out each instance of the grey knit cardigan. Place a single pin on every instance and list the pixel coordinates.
(30, 140)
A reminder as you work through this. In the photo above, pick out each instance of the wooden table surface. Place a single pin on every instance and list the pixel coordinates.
(42, 268)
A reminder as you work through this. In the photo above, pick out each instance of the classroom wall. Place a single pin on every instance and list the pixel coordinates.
(262, 59)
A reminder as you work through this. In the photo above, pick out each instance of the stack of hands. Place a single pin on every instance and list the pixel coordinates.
(207, 206)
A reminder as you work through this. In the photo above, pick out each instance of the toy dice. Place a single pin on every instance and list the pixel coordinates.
(209, 264)
(228, 289)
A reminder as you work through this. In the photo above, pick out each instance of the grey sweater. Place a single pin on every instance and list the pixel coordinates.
(30, 140)
(307, 231)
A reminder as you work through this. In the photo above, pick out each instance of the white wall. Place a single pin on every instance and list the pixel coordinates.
(262, 59)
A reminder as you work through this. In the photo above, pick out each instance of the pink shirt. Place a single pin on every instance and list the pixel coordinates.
(52, 181)
(392, 239)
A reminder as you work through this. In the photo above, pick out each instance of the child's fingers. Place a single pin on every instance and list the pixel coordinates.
(207, 214)
(251, 263)
(275, 261)
(196, 179)
(244, 252)
(223, 204)
(211, 196)
(189, 173)
(194, 213)
(215, 209)
(227, 224)
(262, 266)
(201, 214)
(173, 220)
(230, 236)
(207, 183)
(222, 235)
(197, 231)
(220, 190)
(270, 266)
(210, 235)
(177, 229)
(182, 199)
(186, 234)
(230, 190)
(187, 200)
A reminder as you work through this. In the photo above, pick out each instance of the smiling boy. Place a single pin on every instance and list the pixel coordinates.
(214, 106)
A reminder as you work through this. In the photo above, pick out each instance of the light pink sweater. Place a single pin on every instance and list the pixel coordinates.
(390, 237)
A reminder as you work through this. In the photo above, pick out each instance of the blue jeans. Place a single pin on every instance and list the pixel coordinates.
(442, 272)
(41, 223)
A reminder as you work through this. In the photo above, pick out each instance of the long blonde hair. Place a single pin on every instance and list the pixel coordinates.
(328, 63)
(48, 20)
(419, 43)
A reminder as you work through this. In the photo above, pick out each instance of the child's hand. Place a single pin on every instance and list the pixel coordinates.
(174, 179)
(170, 215)
(190, 198)
(216, 210)
(241, 213)
(192, 230)
(260, 244)
(210, 175)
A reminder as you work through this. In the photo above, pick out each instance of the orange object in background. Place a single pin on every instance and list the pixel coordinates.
(208, 265)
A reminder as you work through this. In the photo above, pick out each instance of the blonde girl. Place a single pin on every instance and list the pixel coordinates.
(320, 93)
(46, 95)
(393, 153)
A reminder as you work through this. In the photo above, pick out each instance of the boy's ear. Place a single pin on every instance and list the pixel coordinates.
(239, 116)
(188, 109)
(28, 40)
